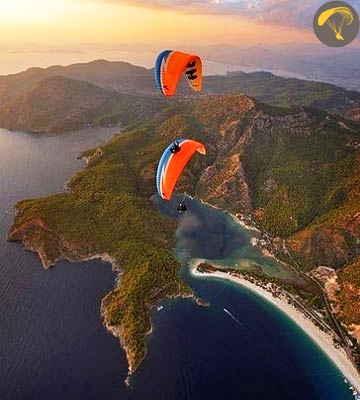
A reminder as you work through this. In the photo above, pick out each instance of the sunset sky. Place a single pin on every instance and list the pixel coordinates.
(46, 32)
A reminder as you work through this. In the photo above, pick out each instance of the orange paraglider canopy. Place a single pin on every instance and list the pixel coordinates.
(172, 163)
(171, 65)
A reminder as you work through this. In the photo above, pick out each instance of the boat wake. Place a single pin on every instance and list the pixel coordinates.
(234, 318)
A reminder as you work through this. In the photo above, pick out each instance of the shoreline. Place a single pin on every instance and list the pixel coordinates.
(322, 339)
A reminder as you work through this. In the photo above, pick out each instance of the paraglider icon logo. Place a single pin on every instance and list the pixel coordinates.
(336, 24)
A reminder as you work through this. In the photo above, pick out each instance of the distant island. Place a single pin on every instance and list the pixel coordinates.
(290, 171)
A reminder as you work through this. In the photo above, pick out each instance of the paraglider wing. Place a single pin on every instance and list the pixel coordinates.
(159, 67)
(172, 164)
(193, 73)
(344, 11)
(169, 67)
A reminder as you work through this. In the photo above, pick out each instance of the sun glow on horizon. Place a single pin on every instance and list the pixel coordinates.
(28, 11)
(89, 20)
(46, 30)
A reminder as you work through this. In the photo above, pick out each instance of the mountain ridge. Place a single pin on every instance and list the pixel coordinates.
(59, 104)
(54, 102)
(120, 78)
(281, 167)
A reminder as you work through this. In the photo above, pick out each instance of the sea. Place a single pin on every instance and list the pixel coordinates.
(52, 341)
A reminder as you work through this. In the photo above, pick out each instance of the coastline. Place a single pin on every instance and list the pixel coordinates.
(322, 339)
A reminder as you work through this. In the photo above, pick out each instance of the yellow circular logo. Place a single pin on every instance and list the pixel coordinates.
(336, 24)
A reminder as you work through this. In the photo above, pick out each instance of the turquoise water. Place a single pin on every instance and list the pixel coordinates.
(53, 344)
(205, 232)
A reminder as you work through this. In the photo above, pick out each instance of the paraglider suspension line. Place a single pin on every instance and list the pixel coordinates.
(333, 26)
(341, 25)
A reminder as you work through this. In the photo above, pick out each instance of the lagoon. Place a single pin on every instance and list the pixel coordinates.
(53, 344)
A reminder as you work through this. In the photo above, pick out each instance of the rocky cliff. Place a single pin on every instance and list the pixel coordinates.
(294, 171)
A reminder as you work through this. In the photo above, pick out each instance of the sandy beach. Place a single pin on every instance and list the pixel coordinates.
(324, 340)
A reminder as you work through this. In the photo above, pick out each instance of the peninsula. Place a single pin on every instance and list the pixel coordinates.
(292, 170)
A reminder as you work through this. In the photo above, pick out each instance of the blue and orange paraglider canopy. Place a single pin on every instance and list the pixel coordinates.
(171, 65)
(172, 162)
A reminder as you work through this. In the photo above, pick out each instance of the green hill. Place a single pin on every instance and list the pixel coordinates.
(119, 76)
(21, 94)
(54, 104)
(59, 104)
(287, 92)
(293, 170)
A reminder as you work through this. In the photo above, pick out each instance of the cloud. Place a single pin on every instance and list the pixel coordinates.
(298, 13)
(34, 48)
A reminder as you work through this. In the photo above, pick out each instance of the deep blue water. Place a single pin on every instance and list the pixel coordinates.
(53, 344)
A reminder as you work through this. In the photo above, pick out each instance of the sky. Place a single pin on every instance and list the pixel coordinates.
(48, 32)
